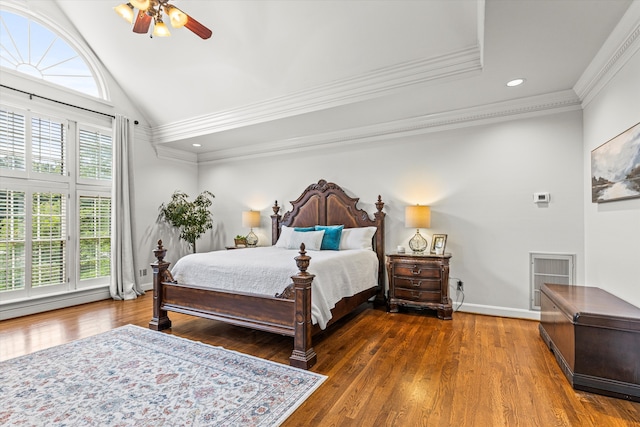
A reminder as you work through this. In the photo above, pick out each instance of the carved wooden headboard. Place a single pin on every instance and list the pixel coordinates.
(325, 203)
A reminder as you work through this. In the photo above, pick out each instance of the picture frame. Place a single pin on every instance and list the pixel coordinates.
(615, 167)
(438, 244)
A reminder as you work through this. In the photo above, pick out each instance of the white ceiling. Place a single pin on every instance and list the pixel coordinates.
(278, 72)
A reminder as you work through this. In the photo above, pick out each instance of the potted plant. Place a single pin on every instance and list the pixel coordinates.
(191, 218)
(240, 240)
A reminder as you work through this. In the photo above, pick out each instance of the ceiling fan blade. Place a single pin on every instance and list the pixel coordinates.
(197, 28)
(143, 21)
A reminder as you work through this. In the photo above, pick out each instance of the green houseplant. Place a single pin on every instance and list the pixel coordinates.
(191, 218)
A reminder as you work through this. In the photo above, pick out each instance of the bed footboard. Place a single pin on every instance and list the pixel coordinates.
(286, 314)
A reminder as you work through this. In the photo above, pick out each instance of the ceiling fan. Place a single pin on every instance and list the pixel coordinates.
(152, 10)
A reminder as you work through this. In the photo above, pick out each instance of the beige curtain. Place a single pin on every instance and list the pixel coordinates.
(123, 272)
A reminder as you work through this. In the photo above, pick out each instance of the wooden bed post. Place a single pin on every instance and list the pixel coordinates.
(275, 223)
(161, 273)
(303, 356)
(380, 299)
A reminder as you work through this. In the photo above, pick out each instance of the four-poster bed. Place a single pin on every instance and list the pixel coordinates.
(288, 312)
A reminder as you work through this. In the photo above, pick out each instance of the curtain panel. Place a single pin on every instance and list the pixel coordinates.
(123, 284)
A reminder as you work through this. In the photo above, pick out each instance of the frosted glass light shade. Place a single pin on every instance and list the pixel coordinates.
(160, 29)
(177, 17)
(125, 11)
(141, 4)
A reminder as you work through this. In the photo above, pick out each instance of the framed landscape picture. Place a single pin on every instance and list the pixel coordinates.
(615, 168)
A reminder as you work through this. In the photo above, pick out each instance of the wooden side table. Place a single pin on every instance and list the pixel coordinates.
(420, 281)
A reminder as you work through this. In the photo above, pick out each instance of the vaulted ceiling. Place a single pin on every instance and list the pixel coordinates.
(280, 74)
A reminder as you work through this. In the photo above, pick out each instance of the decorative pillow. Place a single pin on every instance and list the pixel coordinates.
(357, 238)
(312, 240)
(285, 236)
(303, 229)
(331, 239)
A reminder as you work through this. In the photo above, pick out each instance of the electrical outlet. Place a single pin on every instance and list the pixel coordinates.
(460, 286)
(143, 272)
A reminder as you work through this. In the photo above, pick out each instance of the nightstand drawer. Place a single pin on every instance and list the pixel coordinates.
(417, 284)
(430, 270)
(418, 296)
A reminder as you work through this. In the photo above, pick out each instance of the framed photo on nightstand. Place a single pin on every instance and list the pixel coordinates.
(438, 243)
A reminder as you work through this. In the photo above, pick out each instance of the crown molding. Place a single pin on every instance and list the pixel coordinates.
(173, 154)
(620, 46)
(382, 81)
(143, 133)
(552, 103)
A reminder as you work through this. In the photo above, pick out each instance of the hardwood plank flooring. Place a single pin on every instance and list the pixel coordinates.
(384, 369)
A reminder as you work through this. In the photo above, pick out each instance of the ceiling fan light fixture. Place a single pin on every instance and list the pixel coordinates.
(177, 17)
(160, 29)
(125, 11)
(141, 4)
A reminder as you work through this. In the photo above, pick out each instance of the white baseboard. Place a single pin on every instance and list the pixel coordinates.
(491, 310)
(146, 286)
(26, 307)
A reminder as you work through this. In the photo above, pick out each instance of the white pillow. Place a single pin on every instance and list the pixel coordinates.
(285, 236)
(312, 240)
(357, 238)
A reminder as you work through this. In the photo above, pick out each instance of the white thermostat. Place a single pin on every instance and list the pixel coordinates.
(540, 197)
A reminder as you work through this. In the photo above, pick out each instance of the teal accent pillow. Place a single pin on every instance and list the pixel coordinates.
(303, 229)
(331, 238)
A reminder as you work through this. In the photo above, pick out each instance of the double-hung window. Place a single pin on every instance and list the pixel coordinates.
(55, 203)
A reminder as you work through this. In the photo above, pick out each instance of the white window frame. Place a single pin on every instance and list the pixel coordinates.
(70, 184)
(29, 189)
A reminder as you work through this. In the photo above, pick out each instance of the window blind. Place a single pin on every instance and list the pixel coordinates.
(95, 237)
(95, 151)
(12, 240)
(48, 146)
(49, 238)
(12, 140)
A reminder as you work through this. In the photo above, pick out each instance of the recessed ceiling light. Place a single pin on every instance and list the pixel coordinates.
(197, 145)
(515, 82)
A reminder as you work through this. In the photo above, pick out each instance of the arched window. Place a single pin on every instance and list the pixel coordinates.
(28, 47)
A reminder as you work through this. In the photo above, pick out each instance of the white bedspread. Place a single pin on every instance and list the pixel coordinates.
(268, 270)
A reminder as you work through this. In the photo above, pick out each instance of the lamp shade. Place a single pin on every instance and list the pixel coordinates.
(141, 4)
(125, 11)
(250, 219)
(160, 29)
(177, 17)
(417, 216)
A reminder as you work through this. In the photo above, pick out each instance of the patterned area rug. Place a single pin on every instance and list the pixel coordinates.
(135, 376)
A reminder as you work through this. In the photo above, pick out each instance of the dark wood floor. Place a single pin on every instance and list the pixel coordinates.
(404, 369)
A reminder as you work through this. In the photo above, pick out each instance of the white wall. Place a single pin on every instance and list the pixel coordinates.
(478, 181)
(612, 230)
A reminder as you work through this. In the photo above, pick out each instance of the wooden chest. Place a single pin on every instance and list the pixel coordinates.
(595, 337)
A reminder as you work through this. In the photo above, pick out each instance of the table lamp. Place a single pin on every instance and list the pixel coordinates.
(417, 217)
(251, 219)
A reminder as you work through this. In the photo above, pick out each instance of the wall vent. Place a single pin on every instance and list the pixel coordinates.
(549, 268)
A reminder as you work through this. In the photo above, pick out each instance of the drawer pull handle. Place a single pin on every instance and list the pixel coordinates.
(416, 284)
(416, 271)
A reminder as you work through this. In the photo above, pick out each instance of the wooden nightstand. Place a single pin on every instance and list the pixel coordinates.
(421, 281)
